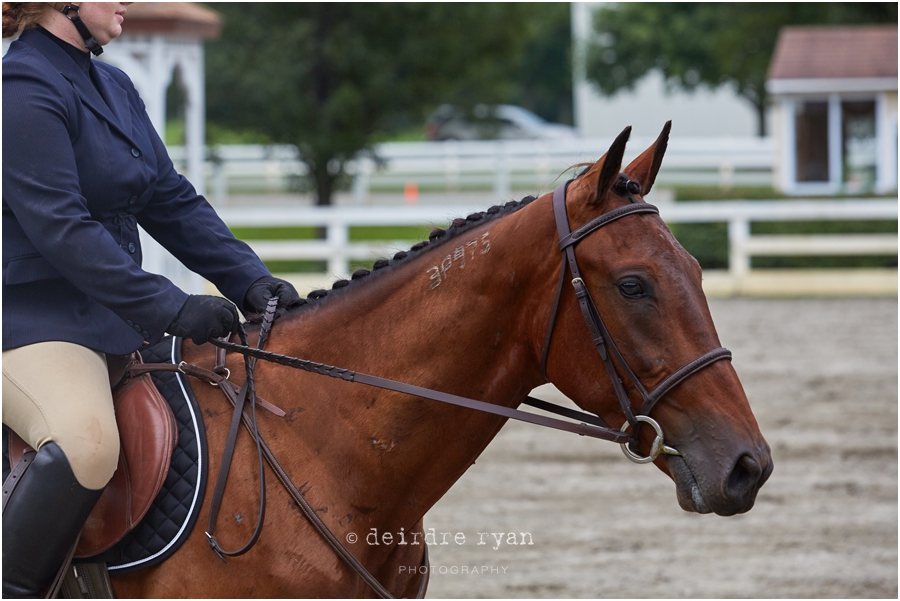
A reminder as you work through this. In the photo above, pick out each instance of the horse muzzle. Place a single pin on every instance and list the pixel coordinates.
(728, 493)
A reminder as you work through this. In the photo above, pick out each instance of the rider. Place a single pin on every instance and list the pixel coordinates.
(82, 166)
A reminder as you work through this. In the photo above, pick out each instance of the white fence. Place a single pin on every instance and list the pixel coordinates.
(338, 251)
(500, 166)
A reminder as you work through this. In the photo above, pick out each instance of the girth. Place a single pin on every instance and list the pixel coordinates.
(604, 343)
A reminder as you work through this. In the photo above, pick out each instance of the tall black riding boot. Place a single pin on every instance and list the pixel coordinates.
(41, 521)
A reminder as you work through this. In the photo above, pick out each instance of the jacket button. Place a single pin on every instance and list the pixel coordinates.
(135, 152)
(145, 334)
(132, 200)
(129, 322)
(131, 247)
(136, 327)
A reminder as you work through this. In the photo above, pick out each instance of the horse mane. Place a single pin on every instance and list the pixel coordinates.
(436, 238)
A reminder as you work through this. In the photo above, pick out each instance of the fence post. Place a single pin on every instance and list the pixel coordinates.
(502, 186)
(337, 235)
(451, 165)
(364, 167)
(726, 173)
(219, 183)
(738, 236)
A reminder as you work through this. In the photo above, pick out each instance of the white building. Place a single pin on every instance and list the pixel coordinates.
(835, 95)
(704, 112)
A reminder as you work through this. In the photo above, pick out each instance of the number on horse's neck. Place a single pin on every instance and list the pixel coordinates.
(462, 316)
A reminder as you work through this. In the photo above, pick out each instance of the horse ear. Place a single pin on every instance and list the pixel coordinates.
(644, 168)
(612, 164)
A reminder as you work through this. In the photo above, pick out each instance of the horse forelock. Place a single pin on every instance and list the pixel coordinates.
(621, 186)
(436, 238)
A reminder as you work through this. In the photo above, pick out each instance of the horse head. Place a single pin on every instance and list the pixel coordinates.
(647, 291)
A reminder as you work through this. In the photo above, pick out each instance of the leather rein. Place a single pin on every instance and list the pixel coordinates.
(590, 425)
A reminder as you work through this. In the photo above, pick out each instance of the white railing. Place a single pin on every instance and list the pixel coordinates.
(499, 166)
(742, 245)
(338, 251)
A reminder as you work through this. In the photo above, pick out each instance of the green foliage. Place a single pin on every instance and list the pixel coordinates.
(174, 133)
(331, 78)
(543, 76)
(714, 43)
(707, 242)
(217, 134)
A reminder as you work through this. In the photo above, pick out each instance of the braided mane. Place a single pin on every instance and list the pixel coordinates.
(436, 238)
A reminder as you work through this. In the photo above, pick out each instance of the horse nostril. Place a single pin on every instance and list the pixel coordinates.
(745, 476)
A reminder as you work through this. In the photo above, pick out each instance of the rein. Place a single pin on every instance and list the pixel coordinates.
(593, 431)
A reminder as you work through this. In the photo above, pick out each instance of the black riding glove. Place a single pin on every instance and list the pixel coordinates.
(266, 287)
(203, 317)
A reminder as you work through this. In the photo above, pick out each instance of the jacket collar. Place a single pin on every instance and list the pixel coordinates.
(112, 105)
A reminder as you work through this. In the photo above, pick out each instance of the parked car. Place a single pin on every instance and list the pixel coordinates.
(499, 122)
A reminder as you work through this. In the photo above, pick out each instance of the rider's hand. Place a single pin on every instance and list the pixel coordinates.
(263, 289)
(203, 317)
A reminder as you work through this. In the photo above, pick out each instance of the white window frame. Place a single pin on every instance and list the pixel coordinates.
(886, 158)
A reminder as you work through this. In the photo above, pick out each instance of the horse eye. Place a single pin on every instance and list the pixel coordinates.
(631, 289)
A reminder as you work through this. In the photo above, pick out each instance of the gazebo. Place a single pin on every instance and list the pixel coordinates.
(157, 39)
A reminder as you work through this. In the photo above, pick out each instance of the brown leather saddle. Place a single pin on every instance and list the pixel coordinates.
(148, 434)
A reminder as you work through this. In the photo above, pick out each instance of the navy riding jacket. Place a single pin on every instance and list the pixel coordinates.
(82, 166)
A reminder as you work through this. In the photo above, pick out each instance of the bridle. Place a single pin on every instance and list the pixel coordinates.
(605, 344)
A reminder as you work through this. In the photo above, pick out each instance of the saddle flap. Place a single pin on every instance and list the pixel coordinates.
(148, 434)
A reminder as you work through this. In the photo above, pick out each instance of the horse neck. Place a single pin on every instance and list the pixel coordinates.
(464, 317)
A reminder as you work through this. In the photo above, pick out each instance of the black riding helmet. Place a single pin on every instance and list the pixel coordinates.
(71, 12)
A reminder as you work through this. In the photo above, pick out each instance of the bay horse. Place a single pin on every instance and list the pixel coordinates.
(467, 314)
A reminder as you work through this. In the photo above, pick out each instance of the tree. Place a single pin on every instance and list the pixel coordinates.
(710, 44)
(331, 77)
(543, 76)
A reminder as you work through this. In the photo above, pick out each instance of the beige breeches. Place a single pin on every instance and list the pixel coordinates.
(59, 391)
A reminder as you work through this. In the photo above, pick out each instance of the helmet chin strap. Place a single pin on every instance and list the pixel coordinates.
(71, 12)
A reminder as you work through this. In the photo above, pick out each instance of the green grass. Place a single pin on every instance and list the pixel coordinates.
(689, 193)
(215, 134)
(366, 233)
